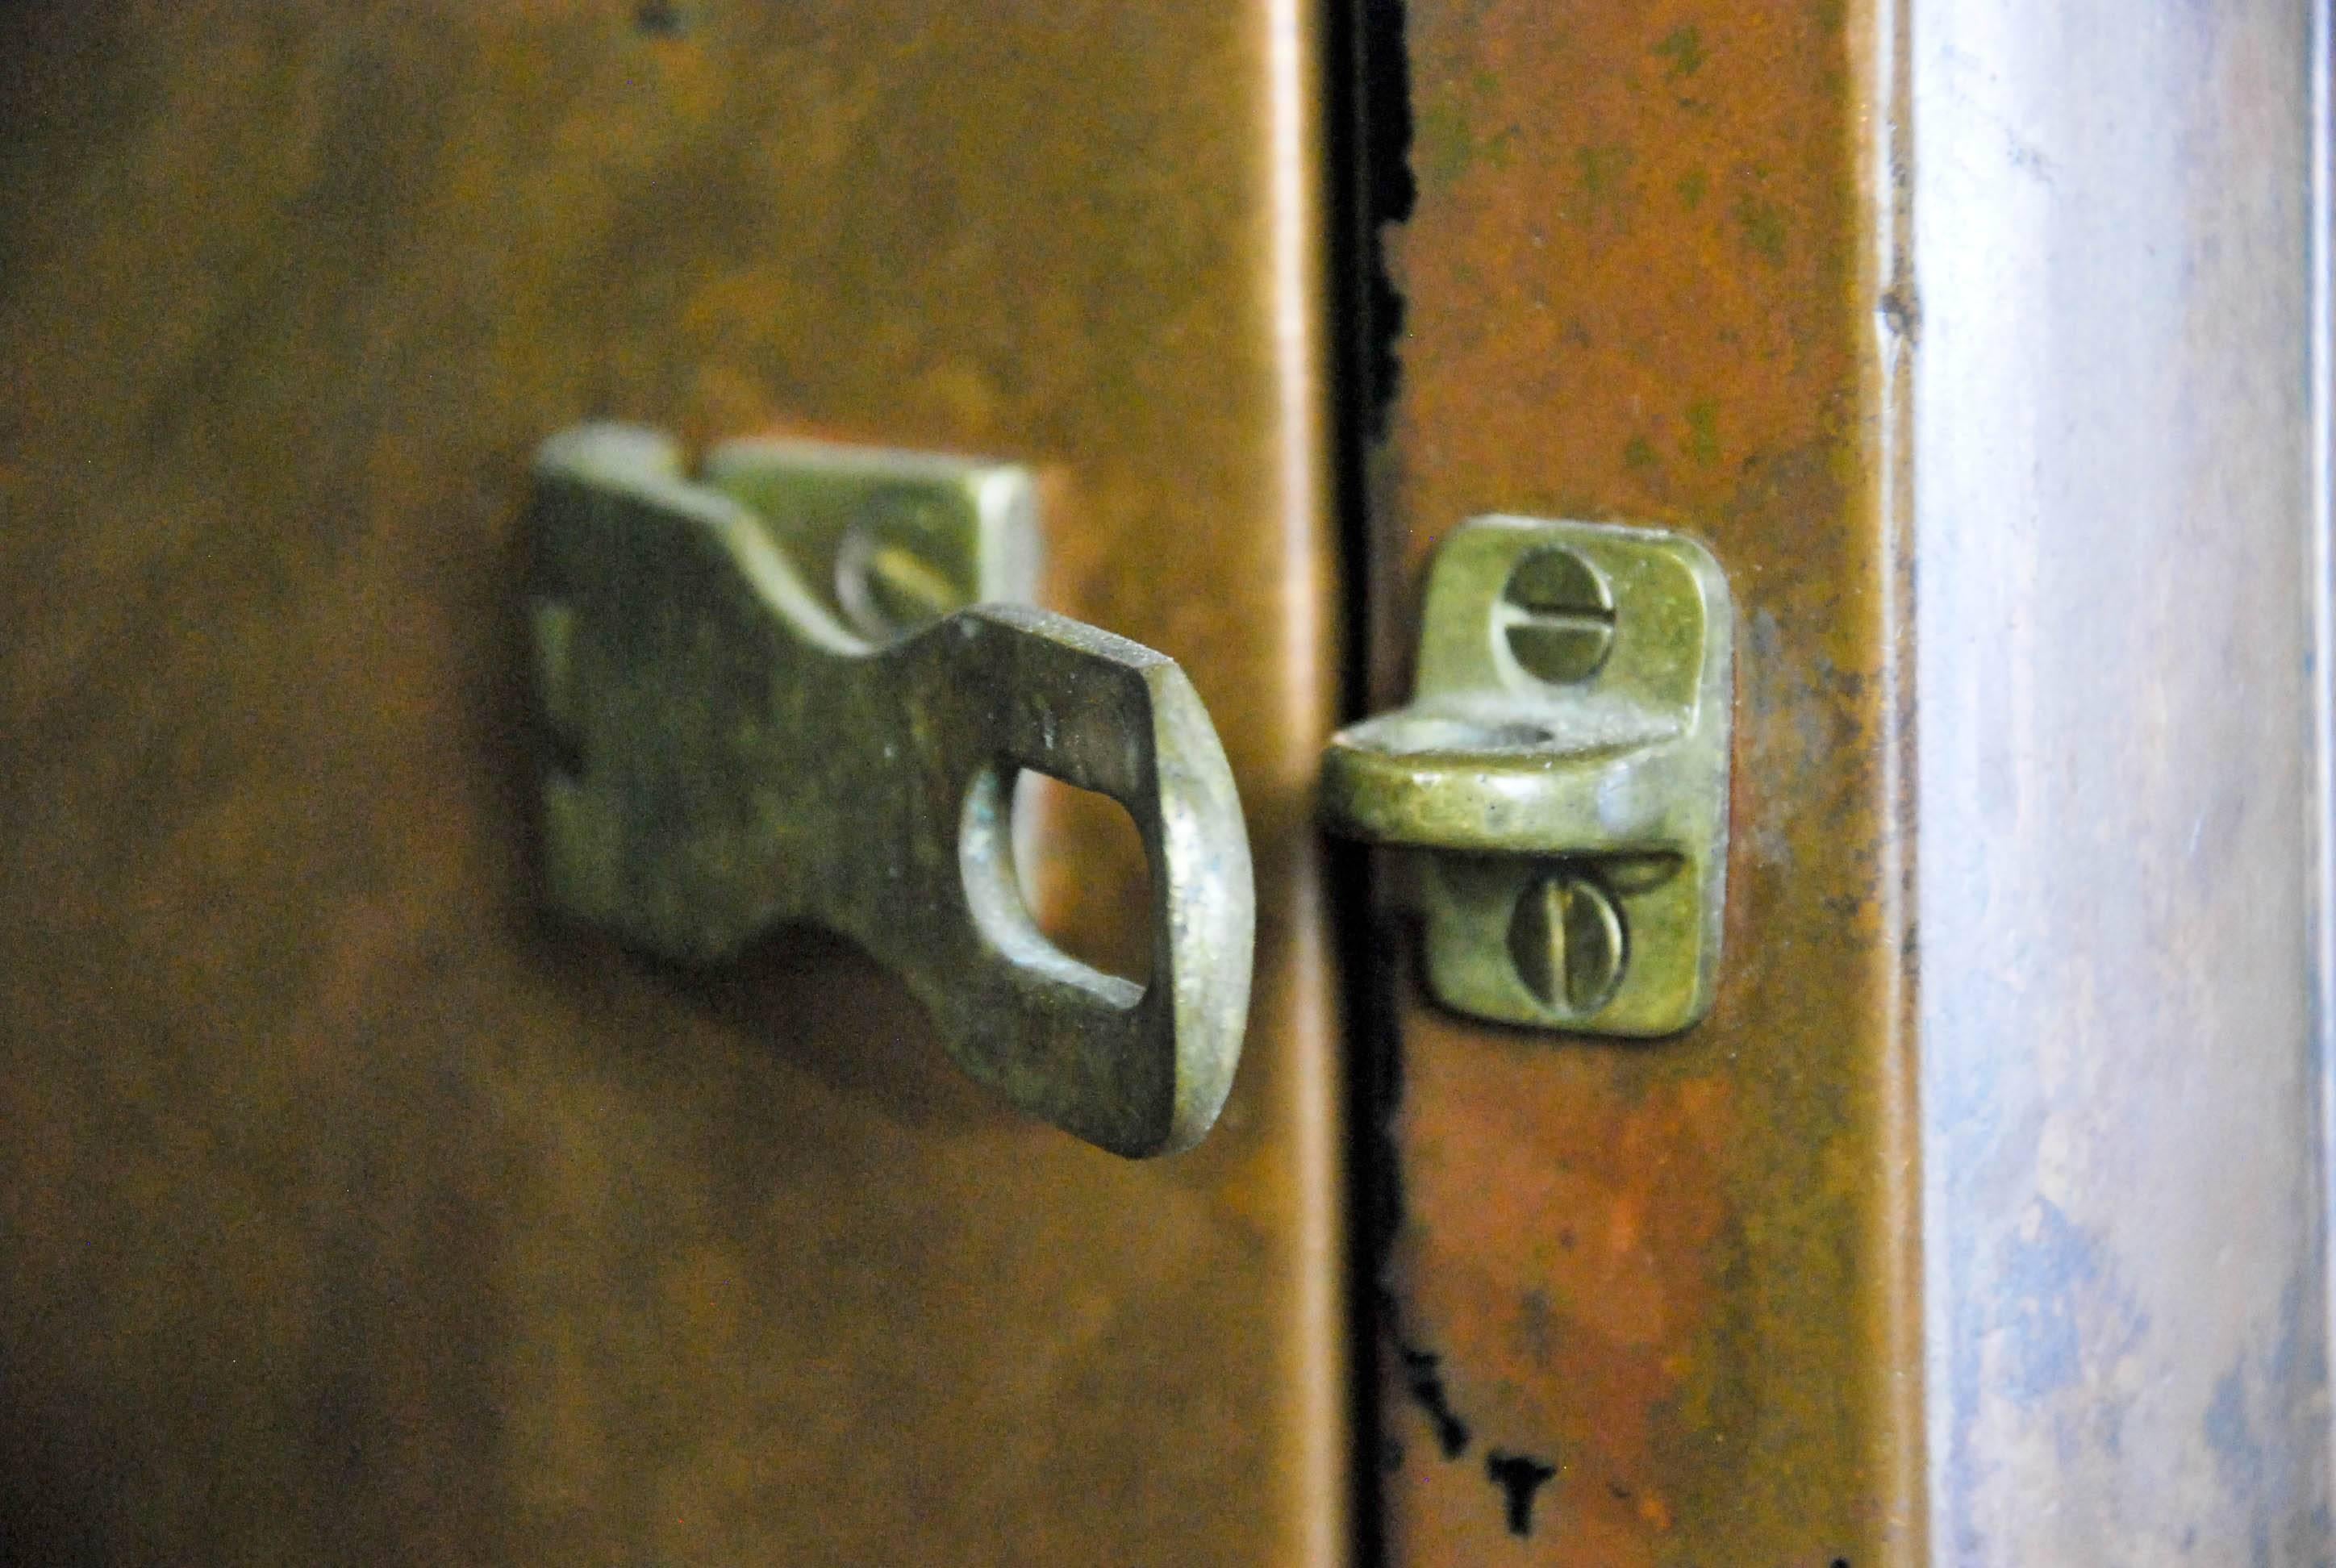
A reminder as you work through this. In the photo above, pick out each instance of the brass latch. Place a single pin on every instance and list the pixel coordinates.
(1565, 757)
(785, 692)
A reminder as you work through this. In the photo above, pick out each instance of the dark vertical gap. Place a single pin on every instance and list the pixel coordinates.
(1369, 138)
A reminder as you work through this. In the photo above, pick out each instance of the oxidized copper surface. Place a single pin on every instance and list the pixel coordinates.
(350, 1213)
(1655, 1303)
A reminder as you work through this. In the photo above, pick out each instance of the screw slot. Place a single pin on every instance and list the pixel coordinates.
(1557, 616)
(1567, 941)
(886, 586)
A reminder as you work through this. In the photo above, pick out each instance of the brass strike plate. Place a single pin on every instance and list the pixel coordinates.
(1565, 758)
(894, 540)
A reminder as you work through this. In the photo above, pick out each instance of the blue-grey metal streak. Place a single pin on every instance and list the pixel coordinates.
(2113, 459)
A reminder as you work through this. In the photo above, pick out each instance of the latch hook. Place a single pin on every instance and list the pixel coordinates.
(1564, 758)
(729, 752)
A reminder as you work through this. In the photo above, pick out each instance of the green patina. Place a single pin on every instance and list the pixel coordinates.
(1763, 223)
(1702, 443)
(1683, 48)
(1603, 170)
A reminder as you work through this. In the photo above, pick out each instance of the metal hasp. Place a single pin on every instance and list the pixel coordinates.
(1565, 755)
(734, 744)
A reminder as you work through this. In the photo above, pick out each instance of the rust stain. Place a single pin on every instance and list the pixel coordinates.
(1636, 287)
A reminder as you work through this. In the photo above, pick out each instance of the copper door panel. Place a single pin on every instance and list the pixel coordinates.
(351, 1213)
(1655, 1302)
(1992, 323)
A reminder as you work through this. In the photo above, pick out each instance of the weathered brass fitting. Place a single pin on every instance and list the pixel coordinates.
(733, 747)
(1565, 757)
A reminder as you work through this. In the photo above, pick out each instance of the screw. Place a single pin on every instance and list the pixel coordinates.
(886, 585)
(1566, 940)
(1560, 620)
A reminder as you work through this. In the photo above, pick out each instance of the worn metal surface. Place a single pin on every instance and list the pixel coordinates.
(1565, 760)
(728, 755)
(2011, 303)
(883, 541)
(2122, 1098)
(350, 1214)
(1658, 1303)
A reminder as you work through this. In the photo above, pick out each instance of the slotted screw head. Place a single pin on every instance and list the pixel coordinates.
(886, 582)
(1561, 615)
(1566, 939)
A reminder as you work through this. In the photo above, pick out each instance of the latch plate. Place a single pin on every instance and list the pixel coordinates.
(779, 692)
(1565, 757)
